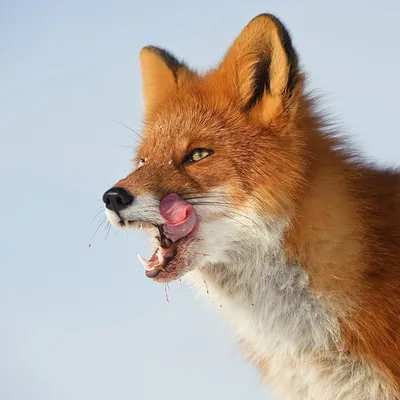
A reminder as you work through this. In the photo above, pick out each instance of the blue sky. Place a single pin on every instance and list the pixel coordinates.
(84, 323)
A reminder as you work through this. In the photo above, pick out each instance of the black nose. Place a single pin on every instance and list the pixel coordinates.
(117, 199)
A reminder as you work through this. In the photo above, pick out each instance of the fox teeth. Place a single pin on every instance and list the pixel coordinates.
(145, 263)
(160, 257)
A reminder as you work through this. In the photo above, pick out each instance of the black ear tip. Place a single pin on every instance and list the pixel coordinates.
(287, 44)
(169, 59)
(272, 18)
(283, 32)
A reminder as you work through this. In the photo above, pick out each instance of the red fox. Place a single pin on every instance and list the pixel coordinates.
(241, 183)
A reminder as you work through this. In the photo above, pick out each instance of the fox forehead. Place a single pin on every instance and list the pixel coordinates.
(181, 125)
(192, 120)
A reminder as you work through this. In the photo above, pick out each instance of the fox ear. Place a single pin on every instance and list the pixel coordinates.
(161, 74)
(262, 68)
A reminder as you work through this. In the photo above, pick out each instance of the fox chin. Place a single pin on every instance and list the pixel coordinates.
(239, 182)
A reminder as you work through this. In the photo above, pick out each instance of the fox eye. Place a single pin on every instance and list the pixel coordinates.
(196, 155)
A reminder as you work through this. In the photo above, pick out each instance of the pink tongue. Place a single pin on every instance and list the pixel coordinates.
(179, 215)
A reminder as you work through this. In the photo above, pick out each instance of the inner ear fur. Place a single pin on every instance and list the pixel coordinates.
(262, 68)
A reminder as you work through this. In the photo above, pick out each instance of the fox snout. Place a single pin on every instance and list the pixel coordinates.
(116, 199)
(172, 220)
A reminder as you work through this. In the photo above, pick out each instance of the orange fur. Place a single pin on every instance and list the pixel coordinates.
(345, 215)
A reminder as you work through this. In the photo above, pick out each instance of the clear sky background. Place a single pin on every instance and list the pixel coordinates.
(81, 323)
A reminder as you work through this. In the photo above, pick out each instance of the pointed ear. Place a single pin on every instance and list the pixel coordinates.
(262, 69)
(161, 74)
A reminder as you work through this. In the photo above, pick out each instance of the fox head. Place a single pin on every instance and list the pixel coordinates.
(223, 155)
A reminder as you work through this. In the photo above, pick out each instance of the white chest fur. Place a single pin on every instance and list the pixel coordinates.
(267, 301)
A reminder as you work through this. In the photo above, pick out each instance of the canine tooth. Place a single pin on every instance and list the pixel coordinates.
(143, 260)
(160, 257)
(145, 263)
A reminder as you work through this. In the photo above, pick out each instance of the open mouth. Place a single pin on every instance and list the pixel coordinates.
(173, 253)
(170, 258)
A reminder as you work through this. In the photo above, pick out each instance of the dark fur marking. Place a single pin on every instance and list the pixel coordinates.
(261, 73)
(172, 62)
(261, 82)
(291, 54)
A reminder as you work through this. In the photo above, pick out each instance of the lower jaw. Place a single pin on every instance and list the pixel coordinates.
(168, 274)
(177, 265)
